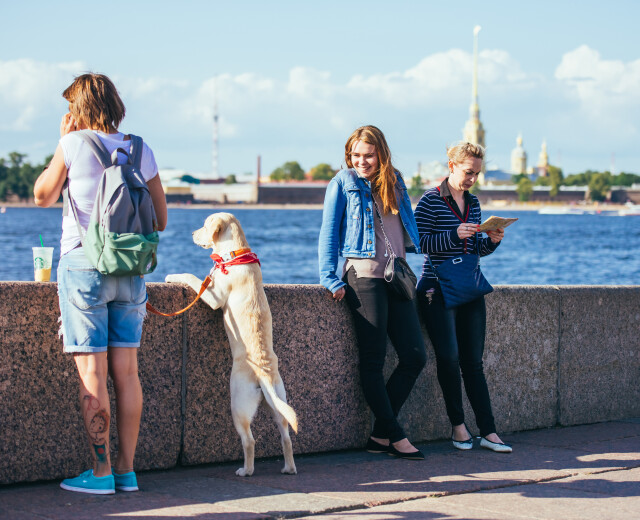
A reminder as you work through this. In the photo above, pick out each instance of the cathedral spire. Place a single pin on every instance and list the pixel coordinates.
(473, 129)
(474, 88)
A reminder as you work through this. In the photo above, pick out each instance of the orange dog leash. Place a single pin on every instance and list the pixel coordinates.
(238, 257)
(204, 286)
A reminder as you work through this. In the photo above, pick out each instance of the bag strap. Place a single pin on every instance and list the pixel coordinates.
(97, 147)
(135, 150)
(203, 287)
(387, 242)
(104, 158)
(68, 201)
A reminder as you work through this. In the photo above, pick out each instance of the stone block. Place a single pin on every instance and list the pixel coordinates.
(315, 345)
(520, 366)
(521, 356)
(161, 375)
(41, 431)
(599, 354)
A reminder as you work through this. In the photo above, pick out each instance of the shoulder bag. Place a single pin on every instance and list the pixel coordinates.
(397, 272)
(461, 279)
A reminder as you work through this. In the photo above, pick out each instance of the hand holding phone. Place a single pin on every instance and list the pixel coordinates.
(68, 124)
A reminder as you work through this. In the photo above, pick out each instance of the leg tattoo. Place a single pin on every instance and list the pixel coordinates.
(100, 452)
(97, 424)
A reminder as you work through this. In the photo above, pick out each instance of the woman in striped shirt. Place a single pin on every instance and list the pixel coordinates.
(448, 218)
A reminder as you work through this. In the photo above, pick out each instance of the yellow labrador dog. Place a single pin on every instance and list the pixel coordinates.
(247, 321)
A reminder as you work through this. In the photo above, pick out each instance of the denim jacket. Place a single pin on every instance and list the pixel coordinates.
(348, 226)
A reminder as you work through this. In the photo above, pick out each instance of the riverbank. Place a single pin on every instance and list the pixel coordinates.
(495, 206)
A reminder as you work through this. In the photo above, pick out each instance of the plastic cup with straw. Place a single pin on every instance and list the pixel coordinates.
(42, 260)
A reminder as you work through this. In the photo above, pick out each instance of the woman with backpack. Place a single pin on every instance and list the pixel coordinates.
(102, 314)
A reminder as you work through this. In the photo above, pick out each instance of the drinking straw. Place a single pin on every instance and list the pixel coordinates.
(41, 242)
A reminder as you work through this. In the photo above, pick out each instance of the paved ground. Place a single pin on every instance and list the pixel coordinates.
(581, 472)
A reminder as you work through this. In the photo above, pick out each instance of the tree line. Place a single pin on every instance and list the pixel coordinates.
(18, 176)
(292, 171)
(598, 183)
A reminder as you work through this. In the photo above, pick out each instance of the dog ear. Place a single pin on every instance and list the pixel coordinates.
(216, 229)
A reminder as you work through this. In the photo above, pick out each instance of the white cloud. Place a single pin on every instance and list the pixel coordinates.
(443, 77)
(311, 85)
(312, 100)
(604, 89)
(29, 89)
(305, 114)
(139, 88)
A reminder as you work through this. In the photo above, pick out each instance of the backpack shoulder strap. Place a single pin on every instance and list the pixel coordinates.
(135, 151)
(98, 149)
(68, 202)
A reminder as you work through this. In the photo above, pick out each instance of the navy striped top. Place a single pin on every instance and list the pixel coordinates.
(438, 218)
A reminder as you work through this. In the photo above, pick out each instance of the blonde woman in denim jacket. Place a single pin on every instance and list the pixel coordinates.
(357, 199)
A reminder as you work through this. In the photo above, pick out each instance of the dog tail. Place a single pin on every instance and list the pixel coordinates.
(278, 404)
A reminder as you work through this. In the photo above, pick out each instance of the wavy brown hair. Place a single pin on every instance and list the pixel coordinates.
(385, 180)
(94, 102)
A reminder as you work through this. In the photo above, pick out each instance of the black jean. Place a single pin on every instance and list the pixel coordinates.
(377, 312)
(458, 336)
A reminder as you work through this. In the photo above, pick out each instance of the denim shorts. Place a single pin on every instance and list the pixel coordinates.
(97, 310)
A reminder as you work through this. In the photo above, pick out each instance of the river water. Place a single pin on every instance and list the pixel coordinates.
(538, 249)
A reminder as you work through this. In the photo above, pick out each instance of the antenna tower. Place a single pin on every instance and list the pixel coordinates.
(214, 158)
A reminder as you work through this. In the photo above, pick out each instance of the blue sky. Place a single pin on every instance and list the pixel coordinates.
(295, 78)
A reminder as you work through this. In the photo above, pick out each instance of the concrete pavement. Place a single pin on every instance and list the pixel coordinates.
(590, 471)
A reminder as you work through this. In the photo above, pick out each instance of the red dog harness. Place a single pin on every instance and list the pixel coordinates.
(237, 257)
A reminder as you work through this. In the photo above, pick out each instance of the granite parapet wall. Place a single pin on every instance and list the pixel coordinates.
(554, 356)
(41, 431)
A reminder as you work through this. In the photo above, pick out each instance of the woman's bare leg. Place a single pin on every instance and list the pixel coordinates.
(96, 412)
(123, 368)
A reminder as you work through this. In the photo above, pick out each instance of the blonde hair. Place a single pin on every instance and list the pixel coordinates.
(94, 102)
(384, 181)
(463, 150)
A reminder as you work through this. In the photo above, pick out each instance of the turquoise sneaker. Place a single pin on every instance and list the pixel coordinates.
(126, 481)
(87, 483)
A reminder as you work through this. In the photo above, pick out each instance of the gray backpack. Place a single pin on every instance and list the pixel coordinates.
(122, 237)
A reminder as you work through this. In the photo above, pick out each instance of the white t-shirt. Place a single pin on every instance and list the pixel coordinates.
(84, 172)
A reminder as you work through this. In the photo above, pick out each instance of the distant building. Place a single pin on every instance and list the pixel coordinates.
(518, 158)
(543, 160)
(292, 192)
(497, 176)
(182, 186)
(433, 171)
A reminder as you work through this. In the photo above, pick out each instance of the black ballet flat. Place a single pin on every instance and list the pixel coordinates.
(376, 447)
(413, 455)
